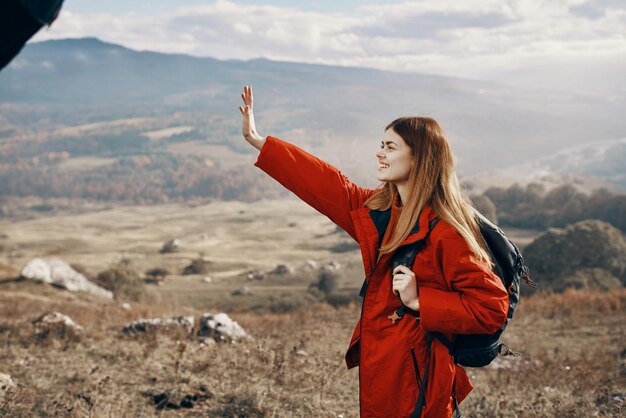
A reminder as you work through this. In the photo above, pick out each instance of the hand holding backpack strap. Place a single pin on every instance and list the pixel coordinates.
(405, 256)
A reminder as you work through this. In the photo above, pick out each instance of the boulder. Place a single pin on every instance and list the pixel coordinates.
(58, 273)
(590, 248)
(184, 323)
(220, 327)
(58, 326)
(6, 385)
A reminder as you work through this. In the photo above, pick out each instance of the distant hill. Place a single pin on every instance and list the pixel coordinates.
(55, 91)
(588, 167)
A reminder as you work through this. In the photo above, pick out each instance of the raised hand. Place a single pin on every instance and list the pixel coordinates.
(248, 128)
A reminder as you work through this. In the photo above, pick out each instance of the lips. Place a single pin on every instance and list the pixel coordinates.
(382, 165)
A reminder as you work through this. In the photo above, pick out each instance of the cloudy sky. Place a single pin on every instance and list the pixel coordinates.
(543, 43)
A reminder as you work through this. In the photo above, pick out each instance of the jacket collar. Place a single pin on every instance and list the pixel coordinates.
(370, 226)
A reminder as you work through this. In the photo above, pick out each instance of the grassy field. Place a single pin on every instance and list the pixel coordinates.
(573, 345)
(572, 362)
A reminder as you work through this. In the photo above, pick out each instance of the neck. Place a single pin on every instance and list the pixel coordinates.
(403, 191)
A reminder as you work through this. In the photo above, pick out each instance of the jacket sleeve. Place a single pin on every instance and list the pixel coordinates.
(478, 303)
(313, 180)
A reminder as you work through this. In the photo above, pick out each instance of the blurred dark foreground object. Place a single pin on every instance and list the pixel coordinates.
(21, 19)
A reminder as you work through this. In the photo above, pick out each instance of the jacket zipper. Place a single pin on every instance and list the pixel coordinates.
(361, 325)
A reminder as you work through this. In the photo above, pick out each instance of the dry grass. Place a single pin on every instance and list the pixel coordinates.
(573, 345)
(571, 365)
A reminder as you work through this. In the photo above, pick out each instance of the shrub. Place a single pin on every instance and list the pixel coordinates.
(197, 266)
(560, 255)
(328, 280)
(157, 272)
(124, 282)
(342, 299)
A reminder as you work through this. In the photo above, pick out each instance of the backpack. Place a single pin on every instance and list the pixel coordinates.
(472, 350)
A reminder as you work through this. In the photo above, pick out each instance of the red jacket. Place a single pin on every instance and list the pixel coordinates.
(456, 293)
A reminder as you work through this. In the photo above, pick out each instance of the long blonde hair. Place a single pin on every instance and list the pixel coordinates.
(432, 181)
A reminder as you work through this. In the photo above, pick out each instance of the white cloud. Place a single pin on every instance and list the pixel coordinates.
(242, 28)
(470, 38)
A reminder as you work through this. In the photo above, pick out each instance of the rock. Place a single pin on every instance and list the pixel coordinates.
(185, 323)
(332, 265)
(171, 246)
(283, 269)
(6, 385)
(207, 279)
(242, 291)
(311, 264)
(58, 273)
(301, 353)
(57, 325)
(220, 327)
(125, 306)
(256, 275)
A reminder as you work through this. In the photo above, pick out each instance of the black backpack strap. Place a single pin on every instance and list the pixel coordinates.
(443, 340)
(421, 398)
(406, 259)
(457, 411)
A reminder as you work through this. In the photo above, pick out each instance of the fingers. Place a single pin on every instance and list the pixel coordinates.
(398, 287)
(401, 269)
(246, 96)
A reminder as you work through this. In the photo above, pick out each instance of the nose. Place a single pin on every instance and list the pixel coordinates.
(379, 154)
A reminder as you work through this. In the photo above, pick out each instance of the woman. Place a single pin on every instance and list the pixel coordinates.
(450, 285)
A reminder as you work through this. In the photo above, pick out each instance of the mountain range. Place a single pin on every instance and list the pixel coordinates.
(338, 113)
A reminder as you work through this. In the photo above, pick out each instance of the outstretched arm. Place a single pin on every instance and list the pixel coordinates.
(315, 181)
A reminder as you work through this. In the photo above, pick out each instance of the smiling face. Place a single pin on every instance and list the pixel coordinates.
(395, 159)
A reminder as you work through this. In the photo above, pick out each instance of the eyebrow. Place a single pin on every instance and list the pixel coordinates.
(388, 142)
